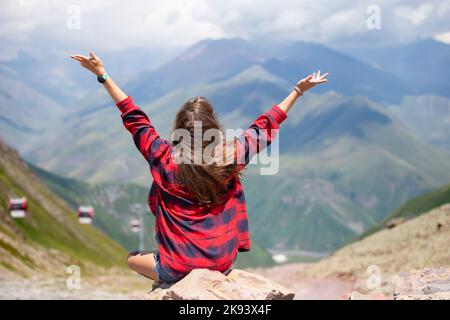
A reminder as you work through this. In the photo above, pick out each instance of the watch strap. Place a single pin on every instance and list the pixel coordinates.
(102, 78)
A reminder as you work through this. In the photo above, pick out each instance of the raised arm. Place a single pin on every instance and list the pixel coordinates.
(264, 129)
(134, 119)
(301, 87)
(95, 65)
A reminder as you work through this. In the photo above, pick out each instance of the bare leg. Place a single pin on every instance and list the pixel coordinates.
(143, 262)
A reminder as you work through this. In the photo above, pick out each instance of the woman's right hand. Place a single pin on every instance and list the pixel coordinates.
(92, 63)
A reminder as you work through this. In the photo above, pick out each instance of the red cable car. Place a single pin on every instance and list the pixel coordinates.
(17, 207)
(85, 214)
(135, 225)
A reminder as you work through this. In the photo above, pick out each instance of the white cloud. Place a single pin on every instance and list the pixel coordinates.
(115, 24)
(443, 37)
(415, 15)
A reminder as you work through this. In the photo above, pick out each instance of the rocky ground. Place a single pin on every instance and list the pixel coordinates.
(373, 261)
(307, 287)
(109, 286)
(408, 261)
(414, 251)
(427, 284)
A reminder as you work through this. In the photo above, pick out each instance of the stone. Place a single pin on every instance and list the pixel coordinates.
(203, 284)
(425, 284)
(374, 295)
(395, 222)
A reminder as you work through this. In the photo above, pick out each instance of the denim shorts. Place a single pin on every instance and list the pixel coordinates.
(164, 276)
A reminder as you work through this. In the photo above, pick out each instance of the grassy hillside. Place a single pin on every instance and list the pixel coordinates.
(415, 207)
(112, 202)
(423, 203)
(50, 237)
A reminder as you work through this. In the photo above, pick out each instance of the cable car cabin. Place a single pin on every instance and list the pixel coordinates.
(135, 225)
(85, 214)
(17, 207)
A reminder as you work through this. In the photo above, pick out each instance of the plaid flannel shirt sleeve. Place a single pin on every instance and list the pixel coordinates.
(259, 135)
(145, 137)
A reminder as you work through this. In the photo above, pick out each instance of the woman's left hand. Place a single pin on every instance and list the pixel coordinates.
(311, 80)
(92, 63)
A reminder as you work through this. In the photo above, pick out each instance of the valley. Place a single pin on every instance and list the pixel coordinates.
(351, 152)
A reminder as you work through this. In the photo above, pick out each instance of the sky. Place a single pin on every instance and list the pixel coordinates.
(112, 24)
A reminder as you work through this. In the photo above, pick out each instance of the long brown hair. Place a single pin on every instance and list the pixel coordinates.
(207, 182)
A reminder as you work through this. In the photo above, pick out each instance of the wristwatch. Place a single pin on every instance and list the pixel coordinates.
(102, 78)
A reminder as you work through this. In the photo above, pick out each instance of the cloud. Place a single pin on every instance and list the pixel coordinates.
(114, 24)
(443, 37)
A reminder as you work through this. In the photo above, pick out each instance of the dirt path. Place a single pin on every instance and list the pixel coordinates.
(307, 288)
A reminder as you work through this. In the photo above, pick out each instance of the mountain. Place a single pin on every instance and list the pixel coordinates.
(346, 161)
(341, 179)
(203, 62)
(25, 112)
(418, 64)
(348, 75)
(50, 237)
(54, 74)
(71, 146)
(217, 60)
(415, 207)
(428, 116)
(113, 203)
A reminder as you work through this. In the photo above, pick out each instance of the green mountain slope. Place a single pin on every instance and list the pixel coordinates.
(112, 203)
(50, 237)
(423, 203)
(415, 207)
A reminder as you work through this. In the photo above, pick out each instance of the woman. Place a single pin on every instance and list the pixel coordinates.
(199, 205)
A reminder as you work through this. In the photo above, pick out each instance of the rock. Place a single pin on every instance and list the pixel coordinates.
(426, 284)
(395, 222)
(203, 284)
(375, 295)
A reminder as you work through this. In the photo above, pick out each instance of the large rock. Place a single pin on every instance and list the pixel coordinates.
(203, 284)
(426, 284)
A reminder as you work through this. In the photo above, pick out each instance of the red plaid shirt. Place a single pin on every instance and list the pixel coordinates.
(191, 235)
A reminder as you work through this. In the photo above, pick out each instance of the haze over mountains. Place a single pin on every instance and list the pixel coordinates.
(352, 150)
